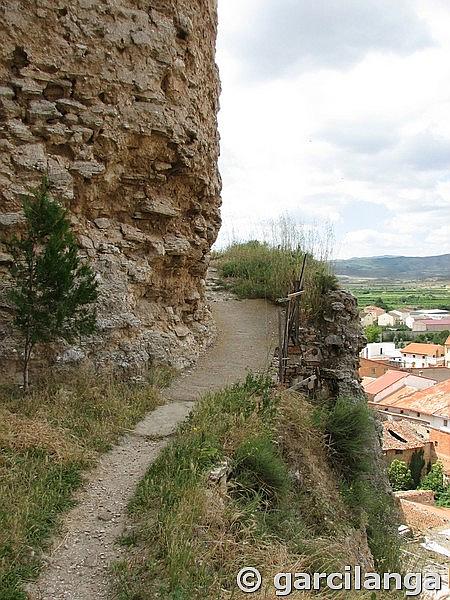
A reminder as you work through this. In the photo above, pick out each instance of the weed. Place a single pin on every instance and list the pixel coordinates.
(348, 426)
(258, 470)
(47, 439)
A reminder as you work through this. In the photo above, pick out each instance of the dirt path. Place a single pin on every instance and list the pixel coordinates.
(78, 567)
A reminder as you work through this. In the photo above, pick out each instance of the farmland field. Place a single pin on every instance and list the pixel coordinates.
(399, 294)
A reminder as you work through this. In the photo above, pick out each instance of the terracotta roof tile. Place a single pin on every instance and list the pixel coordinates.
(424, 349)
(383, 382)
(402, 435)
(434, 400)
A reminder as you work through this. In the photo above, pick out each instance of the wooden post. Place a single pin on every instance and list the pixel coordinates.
(280, 344)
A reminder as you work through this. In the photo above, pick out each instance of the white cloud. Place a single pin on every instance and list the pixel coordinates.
(367, 127)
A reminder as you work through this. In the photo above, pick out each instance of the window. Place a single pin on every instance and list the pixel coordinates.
(399, 452)
(374, 371)
(418, 414)
(445, 422)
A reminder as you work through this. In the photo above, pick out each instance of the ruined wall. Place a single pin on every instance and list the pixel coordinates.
(330, 341)
(117, 100)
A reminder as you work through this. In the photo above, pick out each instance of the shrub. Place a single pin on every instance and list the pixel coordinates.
(259, 469)
(348, 427)
(416, 466)
(372, 333)
(434, 480)
(268, 270)
(400, 476)
(444, 499)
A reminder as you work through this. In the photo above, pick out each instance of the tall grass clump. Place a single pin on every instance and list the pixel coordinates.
(350, 432)
(269, 269)
(348, 426)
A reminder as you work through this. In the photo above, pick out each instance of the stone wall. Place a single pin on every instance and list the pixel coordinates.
(116, 100)
(330, 341)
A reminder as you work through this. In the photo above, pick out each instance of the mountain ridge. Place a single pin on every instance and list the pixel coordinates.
(398, 267)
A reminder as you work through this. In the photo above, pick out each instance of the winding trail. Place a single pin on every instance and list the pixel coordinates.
(78, 567)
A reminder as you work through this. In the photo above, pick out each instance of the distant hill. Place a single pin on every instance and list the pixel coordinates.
(396, 267)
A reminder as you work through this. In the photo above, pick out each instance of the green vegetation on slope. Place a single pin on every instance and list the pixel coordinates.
(258, 270)
(47, 438)
(295, 496)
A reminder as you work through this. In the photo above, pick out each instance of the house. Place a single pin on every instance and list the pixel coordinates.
(439, 374)
(372, 368)
(388, 319)
(382, 351)
(432, 325)
(392, 382)
(393, 318)
(370, 314)
(447, 352)
(423, 355)
(431, 405)
(421, 315)
(402, 314)
(402, 438)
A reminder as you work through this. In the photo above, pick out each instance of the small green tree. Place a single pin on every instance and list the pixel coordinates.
(416, 466)
(373, 333)
(53, 294)
(400, 476)
(434, 480)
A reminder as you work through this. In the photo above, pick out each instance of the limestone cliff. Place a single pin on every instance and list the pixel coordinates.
(117, 100)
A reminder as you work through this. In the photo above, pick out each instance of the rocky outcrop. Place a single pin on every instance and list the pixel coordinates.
(330, 341)
(116, 101)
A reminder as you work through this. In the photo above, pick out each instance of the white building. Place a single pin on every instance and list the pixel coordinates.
(382, 351)
(387, 320)
(422, 315)
(417, 355)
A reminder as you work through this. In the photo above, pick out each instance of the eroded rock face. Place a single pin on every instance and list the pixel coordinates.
(330, 345)
(117, 100)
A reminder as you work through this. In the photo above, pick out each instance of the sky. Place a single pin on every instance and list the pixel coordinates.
(337, 113)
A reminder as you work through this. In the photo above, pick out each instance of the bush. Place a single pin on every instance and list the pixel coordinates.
(348, 427)
(259, 469)
(434, 480)
(416, 466)
(262, 270)
(400, 476)
(372, 333)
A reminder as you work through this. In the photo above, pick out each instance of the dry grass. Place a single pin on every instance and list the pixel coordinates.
(194, 535)
(47, 439)
(20, 434)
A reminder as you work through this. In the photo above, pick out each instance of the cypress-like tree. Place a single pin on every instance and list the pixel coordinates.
(54, 294)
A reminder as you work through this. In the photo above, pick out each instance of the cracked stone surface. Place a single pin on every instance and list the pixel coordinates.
(116, 101)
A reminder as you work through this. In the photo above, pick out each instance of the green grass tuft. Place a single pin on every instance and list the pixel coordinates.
(47, 439)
